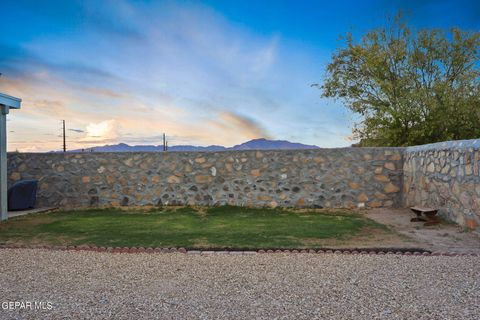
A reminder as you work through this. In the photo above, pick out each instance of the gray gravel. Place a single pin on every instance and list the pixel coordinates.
(94, 285)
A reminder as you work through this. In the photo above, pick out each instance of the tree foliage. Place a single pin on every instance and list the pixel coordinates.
(410, 87)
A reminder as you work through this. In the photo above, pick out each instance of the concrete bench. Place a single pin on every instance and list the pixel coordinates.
(429, 213)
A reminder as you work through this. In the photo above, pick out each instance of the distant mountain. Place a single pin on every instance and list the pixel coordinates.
(264, 144)
(196, 148)
(123, 147)
(256, 144)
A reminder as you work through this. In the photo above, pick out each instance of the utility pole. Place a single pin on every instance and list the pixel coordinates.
(64, 140)
(164, 143)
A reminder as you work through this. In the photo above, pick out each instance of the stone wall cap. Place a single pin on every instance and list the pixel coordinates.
(447, 145)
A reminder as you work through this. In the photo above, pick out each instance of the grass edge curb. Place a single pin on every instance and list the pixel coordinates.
(364, 251)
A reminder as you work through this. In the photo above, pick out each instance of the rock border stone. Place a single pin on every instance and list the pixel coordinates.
(131, 250)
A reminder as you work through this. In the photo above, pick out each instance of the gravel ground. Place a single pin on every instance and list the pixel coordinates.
(93, 285)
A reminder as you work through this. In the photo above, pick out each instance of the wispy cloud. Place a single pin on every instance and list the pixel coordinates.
(77, 130)
(135, 71)
(233, 123)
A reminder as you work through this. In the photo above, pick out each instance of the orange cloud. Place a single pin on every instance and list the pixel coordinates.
(123, 119)
(236, 124)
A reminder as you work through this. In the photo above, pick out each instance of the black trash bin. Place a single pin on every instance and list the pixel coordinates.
(22, 195)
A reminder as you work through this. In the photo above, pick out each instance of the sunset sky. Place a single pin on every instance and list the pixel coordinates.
(204, 72)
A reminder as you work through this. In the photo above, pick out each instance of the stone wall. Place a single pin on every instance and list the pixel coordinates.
(445, 175)
(342, 178)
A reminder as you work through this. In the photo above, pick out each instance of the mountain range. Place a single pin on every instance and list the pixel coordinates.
(256, 144)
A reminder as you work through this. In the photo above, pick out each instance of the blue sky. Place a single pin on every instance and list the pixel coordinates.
(204, 72)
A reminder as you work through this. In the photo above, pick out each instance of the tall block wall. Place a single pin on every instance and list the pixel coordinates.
(330, 178)
(446, 176)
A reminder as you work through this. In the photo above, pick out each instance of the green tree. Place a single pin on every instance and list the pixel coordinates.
(410, 87)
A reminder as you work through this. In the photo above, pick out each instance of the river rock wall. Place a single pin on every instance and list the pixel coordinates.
(446, 176)
(329, 178)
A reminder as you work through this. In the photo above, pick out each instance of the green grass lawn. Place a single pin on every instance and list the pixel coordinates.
(217, 227)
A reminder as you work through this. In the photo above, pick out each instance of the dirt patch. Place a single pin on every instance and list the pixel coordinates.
(31, 220)
(367, 238)
(329, 211)
(441, 237)
(202, 243)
